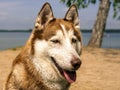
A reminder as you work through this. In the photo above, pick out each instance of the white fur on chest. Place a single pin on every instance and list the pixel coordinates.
(50, 76)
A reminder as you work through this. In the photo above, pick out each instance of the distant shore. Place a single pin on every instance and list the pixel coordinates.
(29, 30)
(82, 30)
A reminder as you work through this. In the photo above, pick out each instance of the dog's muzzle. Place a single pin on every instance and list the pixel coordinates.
(70, 76)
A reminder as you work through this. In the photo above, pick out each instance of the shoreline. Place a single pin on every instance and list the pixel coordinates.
(99, 71)
(82, 30)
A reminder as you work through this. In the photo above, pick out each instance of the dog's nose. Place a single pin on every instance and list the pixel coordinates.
(76, 63)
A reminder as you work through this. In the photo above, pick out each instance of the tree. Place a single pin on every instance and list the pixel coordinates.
(100, 23)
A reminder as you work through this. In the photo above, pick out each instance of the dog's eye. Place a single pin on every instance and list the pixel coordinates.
(55, 41)
(74, 40)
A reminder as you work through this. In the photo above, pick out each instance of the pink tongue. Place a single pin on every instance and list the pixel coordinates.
(70, 76)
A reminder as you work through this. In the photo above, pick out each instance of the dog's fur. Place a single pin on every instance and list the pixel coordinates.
(51, 55)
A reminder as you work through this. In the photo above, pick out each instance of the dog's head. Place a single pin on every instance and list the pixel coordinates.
(59, 40)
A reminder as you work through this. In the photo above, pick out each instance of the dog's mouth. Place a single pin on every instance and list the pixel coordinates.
(70, 76)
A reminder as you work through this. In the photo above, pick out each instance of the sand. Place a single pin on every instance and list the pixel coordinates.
(100, 69)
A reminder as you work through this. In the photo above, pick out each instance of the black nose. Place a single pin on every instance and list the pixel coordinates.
(76, 63)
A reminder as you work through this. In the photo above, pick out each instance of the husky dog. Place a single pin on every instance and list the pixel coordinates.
(51, 56)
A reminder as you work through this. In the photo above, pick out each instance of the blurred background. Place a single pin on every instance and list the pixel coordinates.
(17, 19)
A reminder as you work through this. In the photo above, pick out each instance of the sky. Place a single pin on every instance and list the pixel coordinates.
(21, 14)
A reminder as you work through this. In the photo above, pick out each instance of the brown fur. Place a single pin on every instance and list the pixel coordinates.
(24, 75)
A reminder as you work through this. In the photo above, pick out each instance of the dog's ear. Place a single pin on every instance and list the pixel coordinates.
(44, 16)
(72, 15)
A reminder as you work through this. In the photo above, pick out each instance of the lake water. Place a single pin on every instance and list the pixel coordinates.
(15, 39)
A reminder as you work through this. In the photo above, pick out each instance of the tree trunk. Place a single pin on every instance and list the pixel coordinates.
(100, 23)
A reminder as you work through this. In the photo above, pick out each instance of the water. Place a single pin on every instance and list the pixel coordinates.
(110, 40)
(12, 39)
(15, 39)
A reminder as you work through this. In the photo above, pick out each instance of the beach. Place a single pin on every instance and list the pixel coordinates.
(100, 69)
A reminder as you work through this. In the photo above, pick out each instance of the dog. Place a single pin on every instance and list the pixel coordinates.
(51, 56)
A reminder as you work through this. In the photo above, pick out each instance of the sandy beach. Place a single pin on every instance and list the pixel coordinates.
(100, 69)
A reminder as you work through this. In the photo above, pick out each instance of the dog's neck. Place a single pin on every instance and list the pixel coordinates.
(49, 76)
(57, 85)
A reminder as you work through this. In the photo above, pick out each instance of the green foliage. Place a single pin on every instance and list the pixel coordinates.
(116, 8)
(85, 3)
(117, 1)
(79, 3)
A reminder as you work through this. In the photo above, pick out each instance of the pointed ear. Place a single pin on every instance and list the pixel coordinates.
(72, 15)
(44, 16)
